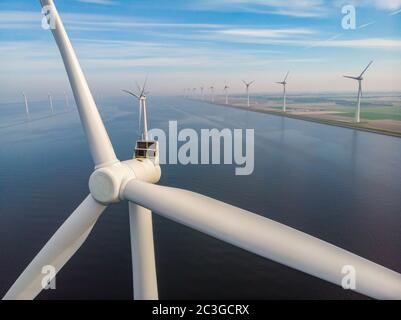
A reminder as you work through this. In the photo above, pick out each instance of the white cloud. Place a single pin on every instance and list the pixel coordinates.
(92, 22)
(294, 8)
(267, 33)
(387, 5)
(102, 2)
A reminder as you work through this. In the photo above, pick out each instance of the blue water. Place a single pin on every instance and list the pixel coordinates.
(337, 184)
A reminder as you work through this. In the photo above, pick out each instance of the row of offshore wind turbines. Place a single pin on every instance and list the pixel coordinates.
(192, 93)
(134, 181)
(51, 105)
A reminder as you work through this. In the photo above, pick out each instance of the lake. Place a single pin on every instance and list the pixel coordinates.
(338, 184)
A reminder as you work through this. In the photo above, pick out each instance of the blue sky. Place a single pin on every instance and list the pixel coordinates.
(202, 42)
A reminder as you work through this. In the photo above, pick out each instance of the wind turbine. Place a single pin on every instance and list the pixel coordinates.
(194, 92)
(226, 87)
(141, 96)
(247, 85)
(113, 181)
(284, 84)
(26, 105)
(358, 104)
(212, 91)
(201, 89)
(50, 102)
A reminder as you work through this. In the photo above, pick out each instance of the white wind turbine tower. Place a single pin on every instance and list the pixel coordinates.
(26, 105)
(226, 87)
(358, 104)
(50, 102)
(247, 85)
(141, 96)
(284, 84)
(212, 91)
(113, 181)
(194, 93)
(201, 89)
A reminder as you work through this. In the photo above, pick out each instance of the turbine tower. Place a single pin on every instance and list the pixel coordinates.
(50, 102)
(134, 180)
(247, 85)
(212, 91)
(226, 87)
(201, 89)
(26, 105)
(358, 104)
(194, 92)
(141, 96)
(284, 84)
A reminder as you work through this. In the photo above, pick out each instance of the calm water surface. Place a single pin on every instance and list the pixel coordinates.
(337, 184)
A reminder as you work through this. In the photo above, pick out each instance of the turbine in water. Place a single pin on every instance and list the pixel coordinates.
(247, 85)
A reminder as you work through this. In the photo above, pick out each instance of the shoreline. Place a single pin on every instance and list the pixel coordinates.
(305, 118)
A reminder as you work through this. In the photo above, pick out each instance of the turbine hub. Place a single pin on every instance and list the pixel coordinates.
(106, 184)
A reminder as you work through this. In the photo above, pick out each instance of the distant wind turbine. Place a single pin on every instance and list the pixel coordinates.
(226, 87)
(201, 89)
(284, 84)
(212, 90)
(141, 96)
(26, 105)
(51, 102)
(358, 104)
(247, 85)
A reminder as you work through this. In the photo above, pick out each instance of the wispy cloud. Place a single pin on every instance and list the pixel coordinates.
(92, 22)
(386, 5)
(101, 2)
(293, 8)
(267, 33)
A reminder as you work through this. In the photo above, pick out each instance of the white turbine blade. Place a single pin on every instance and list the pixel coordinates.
(349, 77)
(363, 72)
(99, 142)
(265, 237)
(58, 250)
(285, 78)
(252, 82)
(144, 86)
(143, 253)
(131, 93)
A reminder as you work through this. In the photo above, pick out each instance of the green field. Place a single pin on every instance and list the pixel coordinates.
(384, 113)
